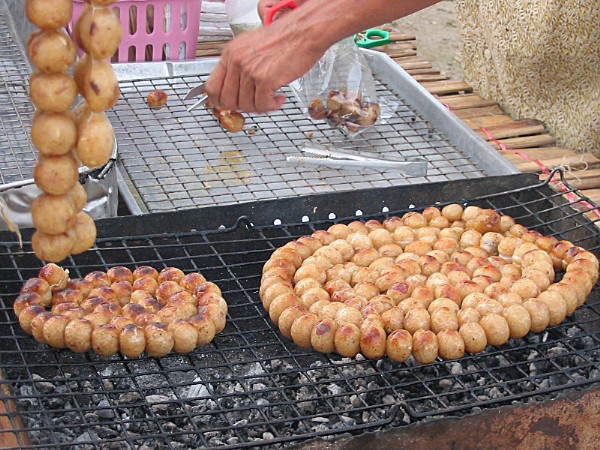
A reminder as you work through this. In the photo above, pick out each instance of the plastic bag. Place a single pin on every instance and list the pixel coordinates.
(340, 89)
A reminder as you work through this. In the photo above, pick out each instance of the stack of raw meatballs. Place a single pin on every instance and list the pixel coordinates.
(66, 138)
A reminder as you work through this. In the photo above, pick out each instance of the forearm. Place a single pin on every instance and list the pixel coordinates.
(333, 20)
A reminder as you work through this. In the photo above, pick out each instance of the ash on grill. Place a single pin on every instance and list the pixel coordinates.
(122, 407)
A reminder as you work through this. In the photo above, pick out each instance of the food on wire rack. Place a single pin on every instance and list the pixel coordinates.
(120, 310)
(427, 284)
(157, 99)
(231, 121)
(66, 140)
(346, 109)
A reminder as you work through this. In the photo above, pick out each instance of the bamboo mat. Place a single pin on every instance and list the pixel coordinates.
(525, 143)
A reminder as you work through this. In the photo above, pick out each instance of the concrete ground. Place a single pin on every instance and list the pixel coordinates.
(437, 34)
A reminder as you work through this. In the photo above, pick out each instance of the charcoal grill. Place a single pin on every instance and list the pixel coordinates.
(252, 387)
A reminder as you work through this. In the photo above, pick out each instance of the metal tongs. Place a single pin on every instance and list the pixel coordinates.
(345, 159)
(197, 91)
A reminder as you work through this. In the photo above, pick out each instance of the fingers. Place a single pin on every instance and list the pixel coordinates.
(228, 97)
(230, 87)
(252, 68)
(266, 100)
(214, 84)
(246, 95)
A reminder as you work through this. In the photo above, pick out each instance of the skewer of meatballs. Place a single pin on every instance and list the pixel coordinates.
(66, 139)
(120, 310)
(437, 283)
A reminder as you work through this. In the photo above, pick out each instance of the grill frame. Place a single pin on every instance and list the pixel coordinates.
(193, 240)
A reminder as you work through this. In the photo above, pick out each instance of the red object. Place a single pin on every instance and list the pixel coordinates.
(284, 4)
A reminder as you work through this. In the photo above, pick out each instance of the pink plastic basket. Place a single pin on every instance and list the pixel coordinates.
(155, 30)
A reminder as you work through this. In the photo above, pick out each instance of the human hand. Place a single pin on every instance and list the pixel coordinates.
(256, 64)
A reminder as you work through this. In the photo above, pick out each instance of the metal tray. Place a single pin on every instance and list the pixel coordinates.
(172, 159)
(252, 387)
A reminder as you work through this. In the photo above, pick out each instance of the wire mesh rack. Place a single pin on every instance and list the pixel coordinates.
(251, 387)
(176, 160)
(17, 156)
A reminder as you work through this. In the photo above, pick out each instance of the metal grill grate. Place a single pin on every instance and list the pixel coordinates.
(176, 160)
(17, 156)
(251, 387)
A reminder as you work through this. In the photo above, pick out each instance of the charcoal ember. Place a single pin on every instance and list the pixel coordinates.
(105, 411)
(537, 367)
(240, 423)
(105, 432)
(55, 402)
(91, 417)
(129, 397)
(26, 396)
(556, 351)
(257, 387)
(280, 412)
(159, 402)
(445, 383)
(495, 393)
(320, 419)
(118, 446)
(320, 428)
(367, 417)
(583, 343)
(348, 421)
(500, 361)
(335, 389)
(197, 390)
(262, 402)
(43, 387)
(85, 440)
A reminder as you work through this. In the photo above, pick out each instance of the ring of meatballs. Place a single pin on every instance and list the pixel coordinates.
(435, 283)
(121, 310)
